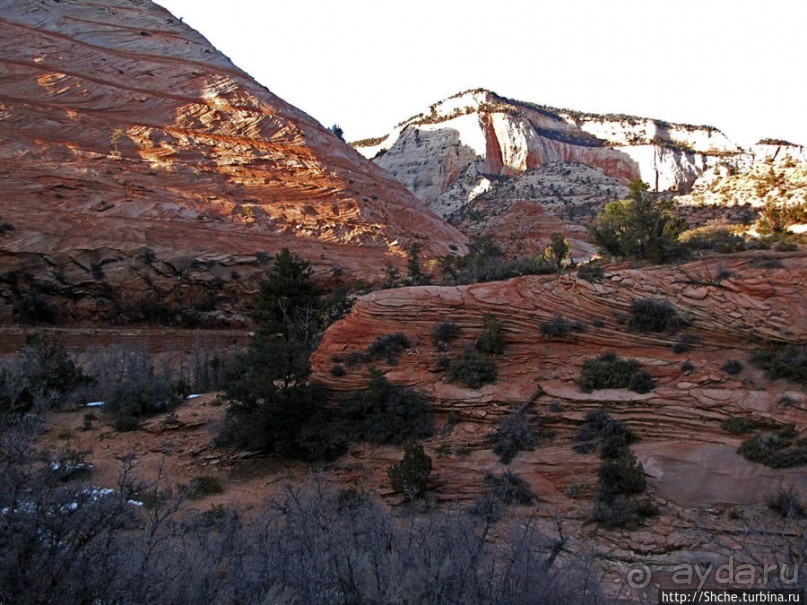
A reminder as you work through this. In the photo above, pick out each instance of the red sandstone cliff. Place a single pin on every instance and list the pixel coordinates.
(131, 151)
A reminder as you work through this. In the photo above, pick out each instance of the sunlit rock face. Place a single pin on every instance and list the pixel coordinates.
(125, 135)
(504, 137)
(492, 165)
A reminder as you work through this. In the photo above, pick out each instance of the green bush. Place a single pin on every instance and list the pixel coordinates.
(685, 342)
(641, 382)
(443, 333)
(513, 434)
(43, 377)
(612, 372)
(591, 272)
(388, 347)
(643, 226)
(618, 511)
(623, 475)
(386, 413)
(137, 391)
(473, 369)
(599, 430)
(655, 315)
(485, 262)
(560, 327)
(741, 426)
(125, 423)
(732, 367)
(719, 239)
(337, 371)
(765, 262)
(410, 476)
(620, 478)
(492, 338)
(788, 361)
(778, 449)
(509, 488)
(786, 245)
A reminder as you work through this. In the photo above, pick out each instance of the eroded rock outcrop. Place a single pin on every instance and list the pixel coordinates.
(477, 155)
(130, 147)
(704, 488)
(506, 137)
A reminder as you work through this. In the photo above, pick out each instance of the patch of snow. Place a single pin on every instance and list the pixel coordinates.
(483, 186)
(193, 396)
(95, 404)
(69, 468)
(469, 129)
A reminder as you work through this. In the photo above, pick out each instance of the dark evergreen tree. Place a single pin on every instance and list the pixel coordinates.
(411, 475)
(270, 398)
(416, 275)
(288, 302)
(642, 226)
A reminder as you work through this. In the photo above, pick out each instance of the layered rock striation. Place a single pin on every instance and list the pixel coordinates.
(731, 304)
(704, 489)
(489, 164)
(130, 147)
(505, 137)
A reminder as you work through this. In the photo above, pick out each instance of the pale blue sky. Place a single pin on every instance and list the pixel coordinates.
(738, 65)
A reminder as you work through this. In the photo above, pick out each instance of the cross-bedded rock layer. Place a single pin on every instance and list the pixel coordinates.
(125, 135)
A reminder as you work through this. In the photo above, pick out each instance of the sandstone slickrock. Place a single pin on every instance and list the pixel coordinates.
(131, 151)
(692, 466)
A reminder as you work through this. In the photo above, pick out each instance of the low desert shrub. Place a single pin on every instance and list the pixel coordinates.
(491, 340)
(513, 434)
(472, 368)
(389, 347)
(560, 327)
(600, 430)
(655, 315)
(410, 476)
(787, 361)
(386, 413)
(132, 387)
(778, 449)
(509, 488)
(685, 342)
(443, 333)
(612, 372)
(591, 272)
(44, 376)
(641, 382)
(619, 479)
(337, 371)
(719, 239)
(741, 426)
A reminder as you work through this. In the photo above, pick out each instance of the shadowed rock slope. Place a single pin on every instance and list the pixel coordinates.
(136, 158)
